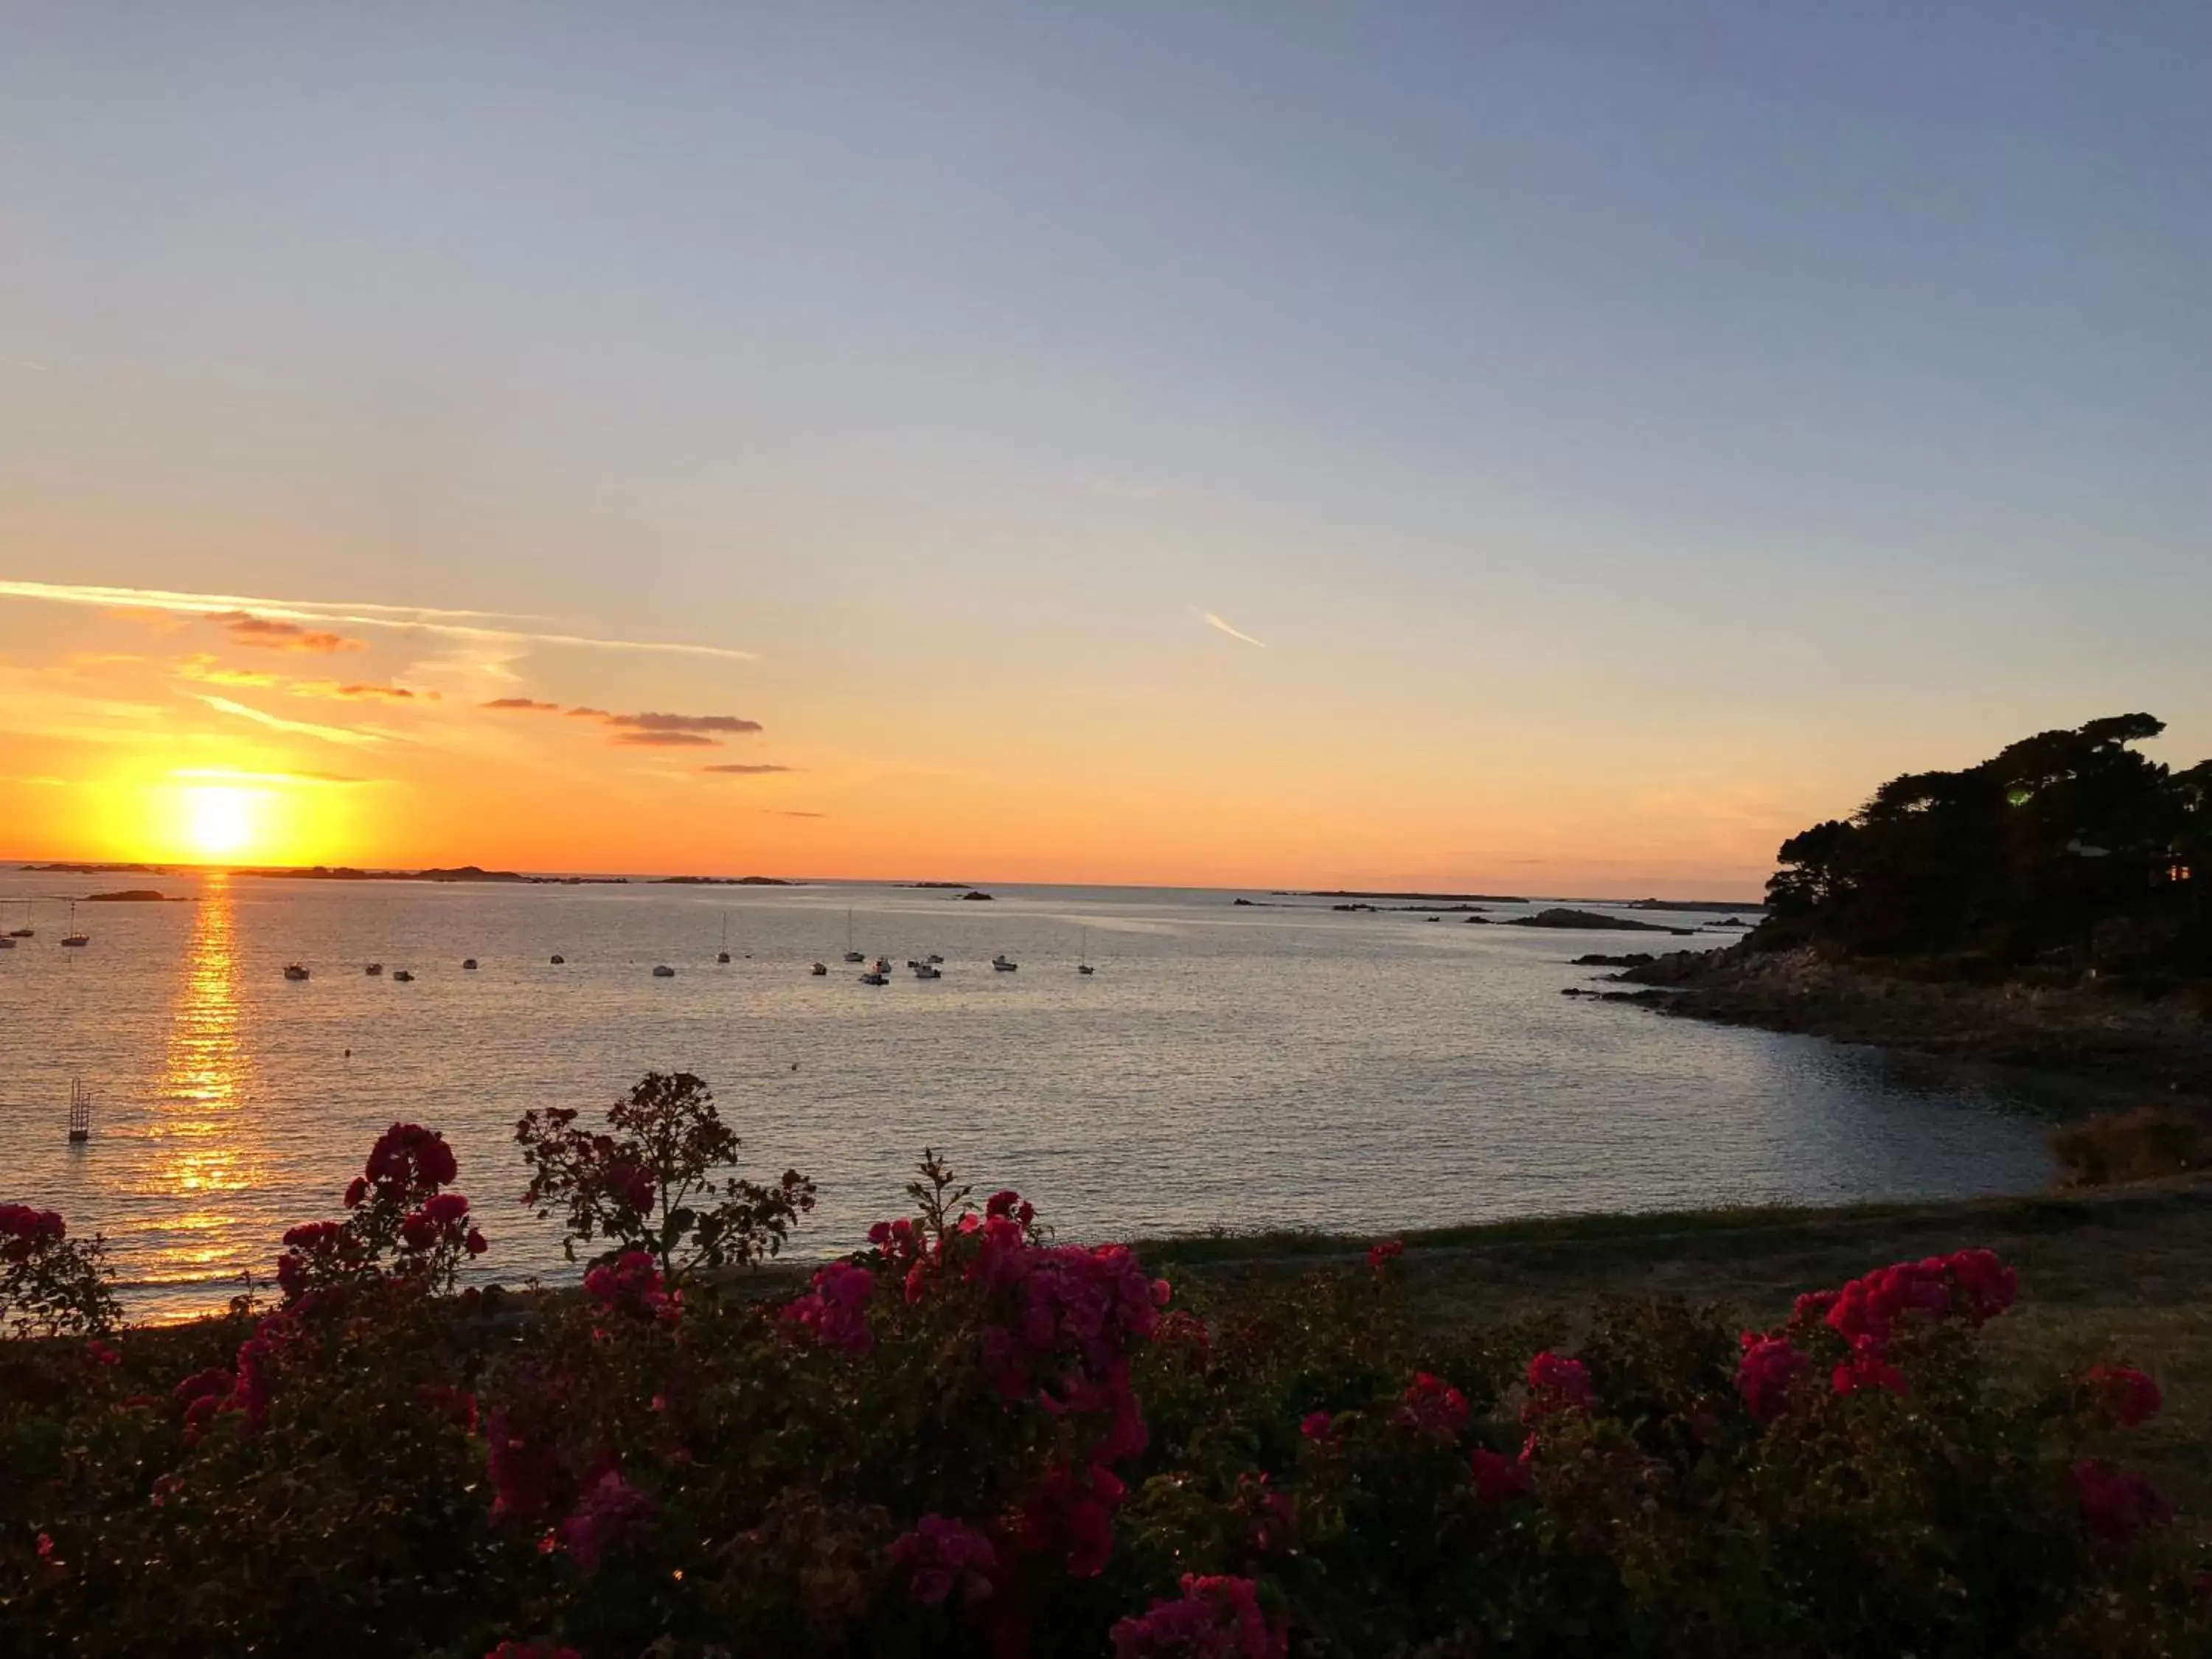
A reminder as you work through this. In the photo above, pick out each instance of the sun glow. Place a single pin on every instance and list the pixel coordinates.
(220, 821)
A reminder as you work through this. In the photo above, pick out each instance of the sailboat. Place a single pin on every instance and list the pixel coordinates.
(73, 936)
(851, 954)
(25, 930)
(1081, 953)
(724, 955)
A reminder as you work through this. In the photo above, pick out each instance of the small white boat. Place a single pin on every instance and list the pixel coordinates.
(374, 970)
(819, 969)
(880, 965)
(851, 954)
(470, 965)
(73, 936)
(1083, 954)
(404, 977)
(924, 971)
(875, 979)
(1004, 963)
(934, 959)
(293, 970)
(664, 971)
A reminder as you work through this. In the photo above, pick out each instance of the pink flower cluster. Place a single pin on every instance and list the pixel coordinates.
(1214, 1618)
(1973, 1285)
(611, 1512)
(631, 1284)
(1381, 1256)
(1557, 1384)
(442, 1220)
(1070, 1514)
(1764, 1376)
(2123, 1393)
(246, 1390)
(24, 1230)
(1498, 1477)
(2115, 1505)
(940, 1556)
(407, 1161)
(1431, 1406)
(833, 1312)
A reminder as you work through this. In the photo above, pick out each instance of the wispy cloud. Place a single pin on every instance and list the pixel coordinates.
(328, 733)
(232, 774)
(1221, 627)
(274, 634)
(785, 813)
(433, 619)
(666, 741)
(684, 722)
(740, 770)
(364, 693)
(530, 705)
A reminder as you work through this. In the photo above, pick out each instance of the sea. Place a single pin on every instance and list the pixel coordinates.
(1274, 1064)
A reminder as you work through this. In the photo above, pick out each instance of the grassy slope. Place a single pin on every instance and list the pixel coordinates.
(2124, 1272)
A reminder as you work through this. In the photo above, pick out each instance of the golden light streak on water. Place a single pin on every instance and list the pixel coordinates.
(202, 1142)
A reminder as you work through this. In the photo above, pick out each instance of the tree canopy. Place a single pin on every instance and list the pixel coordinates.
(2068, 849)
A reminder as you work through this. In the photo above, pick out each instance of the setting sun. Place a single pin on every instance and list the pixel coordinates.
(220, 821)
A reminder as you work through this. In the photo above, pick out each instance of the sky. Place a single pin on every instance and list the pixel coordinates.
(1553, 449)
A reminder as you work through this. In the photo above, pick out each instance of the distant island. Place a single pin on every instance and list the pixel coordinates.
(1590, 921)
(975, 893)
(946, 884)
(1426, 898)
(464, 872)
(101, 869)
(132, 895)
(724, 881)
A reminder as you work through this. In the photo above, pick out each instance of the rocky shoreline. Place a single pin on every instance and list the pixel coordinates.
(2163, 1042)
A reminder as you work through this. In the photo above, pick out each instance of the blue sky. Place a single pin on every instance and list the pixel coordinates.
(1632, 431)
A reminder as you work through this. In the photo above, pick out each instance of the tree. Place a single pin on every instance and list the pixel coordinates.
(651, 1181)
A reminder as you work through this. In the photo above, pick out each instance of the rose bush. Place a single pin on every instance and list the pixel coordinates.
(970, 1438)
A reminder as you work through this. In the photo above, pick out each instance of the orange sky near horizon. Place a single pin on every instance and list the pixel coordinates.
(183, 728)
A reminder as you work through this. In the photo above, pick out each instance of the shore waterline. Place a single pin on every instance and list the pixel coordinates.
(1240, 1067)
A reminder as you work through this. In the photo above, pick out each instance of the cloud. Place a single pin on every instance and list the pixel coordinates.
(785, 813)
(531, 704)
(459, 624)
(1219, 626)
(371, 693)
(655, 731)
(740, 770)
(268, 634)
(666, 741)
(202, 666)
(232, 775)
(328, 733)
(684, 722)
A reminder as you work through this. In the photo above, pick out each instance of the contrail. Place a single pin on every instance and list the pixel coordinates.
(328, 733)
(428, 619)
(1214, 621)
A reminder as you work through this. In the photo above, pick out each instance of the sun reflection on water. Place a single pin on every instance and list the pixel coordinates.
(203, 1146)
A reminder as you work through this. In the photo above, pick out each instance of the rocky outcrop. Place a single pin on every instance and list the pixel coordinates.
(2166, 1040)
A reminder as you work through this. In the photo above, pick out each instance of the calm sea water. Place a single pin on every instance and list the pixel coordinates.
(1239, 1067)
